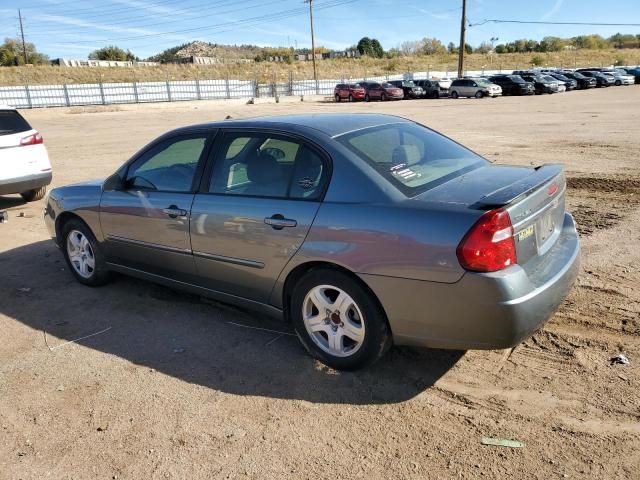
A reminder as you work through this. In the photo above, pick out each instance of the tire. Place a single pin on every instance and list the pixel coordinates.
(34, 195)
(479, 94)
(350, 98)
(87, 264)
(367, 98)
(383, 97)
(618, 83)
(435, 95)
(338, 98)
(454, 94)
(366, 336)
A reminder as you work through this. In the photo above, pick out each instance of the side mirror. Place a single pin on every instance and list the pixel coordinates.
(114, 182)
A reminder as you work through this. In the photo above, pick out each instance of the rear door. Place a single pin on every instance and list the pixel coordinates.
(146, 222)
(254, 211)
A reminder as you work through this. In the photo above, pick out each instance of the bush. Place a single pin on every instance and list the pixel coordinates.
(537, 60)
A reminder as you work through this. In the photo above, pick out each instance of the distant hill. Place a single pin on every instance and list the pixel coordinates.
(206, 49)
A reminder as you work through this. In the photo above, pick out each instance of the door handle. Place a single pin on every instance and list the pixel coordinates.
(174, 212)
(278, 222)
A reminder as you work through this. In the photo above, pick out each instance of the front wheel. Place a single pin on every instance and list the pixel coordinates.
(34, 195)
(338, 98)
(83, 254)
(350, 98)
(618, 83)
(454, 94)
(383, 97)
(479, 94)
(367, 98)
(338, 321)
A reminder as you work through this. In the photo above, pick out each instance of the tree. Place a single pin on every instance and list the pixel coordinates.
(485, 47)
(452, 48)
(411, 47)
(112, 52)
(501, 48)
(371, 47)
(432, 46)
(11, 53)
(468, 49)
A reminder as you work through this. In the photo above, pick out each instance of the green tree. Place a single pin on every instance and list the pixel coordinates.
(11, 53)
(468, 49)
(502, 48)
(112, 52)
(431, 46)
(371, 47)
(376, 48)
(452, 48)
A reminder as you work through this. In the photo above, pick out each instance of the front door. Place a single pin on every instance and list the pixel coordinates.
(146, 222)
(256, 210)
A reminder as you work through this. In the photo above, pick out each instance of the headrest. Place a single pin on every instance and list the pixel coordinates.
(263, 168)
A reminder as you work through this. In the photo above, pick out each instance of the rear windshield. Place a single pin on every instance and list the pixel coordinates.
(516, 79)
(411, 157)
(12, 122)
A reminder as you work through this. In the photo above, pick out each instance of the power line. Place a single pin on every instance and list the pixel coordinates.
(274, 16)
(536, 22)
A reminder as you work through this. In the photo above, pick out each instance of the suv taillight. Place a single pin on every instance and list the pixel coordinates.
(489, 245)
(34, 139)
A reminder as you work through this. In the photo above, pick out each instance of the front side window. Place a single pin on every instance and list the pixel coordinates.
(169, 166)
(411, 157)
(263, 165)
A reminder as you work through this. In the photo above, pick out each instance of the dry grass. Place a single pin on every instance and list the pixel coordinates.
(338, 68)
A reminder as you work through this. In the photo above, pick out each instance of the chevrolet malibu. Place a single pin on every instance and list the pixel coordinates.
(360, 230)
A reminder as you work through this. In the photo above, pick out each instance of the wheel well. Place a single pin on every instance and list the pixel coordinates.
(63, 218)
(297, 273)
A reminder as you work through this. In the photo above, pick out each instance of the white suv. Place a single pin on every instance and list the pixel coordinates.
(24, 162)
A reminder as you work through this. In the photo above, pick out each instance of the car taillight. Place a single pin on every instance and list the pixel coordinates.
(489, 245)
(34, 139)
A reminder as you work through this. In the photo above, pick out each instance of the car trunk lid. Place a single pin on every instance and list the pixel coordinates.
(533, 197)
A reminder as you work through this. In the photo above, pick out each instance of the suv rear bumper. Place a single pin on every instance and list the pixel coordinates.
(481, 311)
(25, 183)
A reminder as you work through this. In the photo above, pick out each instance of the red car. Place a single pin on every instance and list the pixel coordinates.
(381, 91)
(349, 91)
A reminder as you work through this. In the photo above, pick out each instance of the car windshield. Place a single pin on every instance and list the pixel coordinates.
(408, 83)
(560, 77)
(482, 82)
(12, 122)
(411, 157)
(549, 78)
(516, 79)
(577, 75)
(388, 85)
(355, 85)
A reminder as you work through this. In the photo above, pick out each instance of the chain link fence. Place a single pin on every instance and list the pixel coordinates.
(68, 95)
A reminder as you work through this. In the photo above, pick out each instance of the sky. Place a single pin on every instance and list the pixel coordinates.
(74, 28)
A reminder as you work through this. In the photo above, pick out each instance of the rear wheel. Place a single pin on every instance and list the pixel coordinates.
(338, 97)
(454, 94)
(35, 194)
(435, 95)
(338, 321)
(479, 94)
(83, 254)
(367, 98)
(350, 98)
(383, 97)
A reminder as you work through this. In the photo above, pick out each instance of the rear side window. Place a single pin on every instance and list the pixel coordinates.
(411, 157)
(12, 122)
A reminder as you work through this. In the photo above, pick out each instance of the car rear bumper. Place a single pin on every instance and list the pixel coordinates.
(481, 311)
(25, 183)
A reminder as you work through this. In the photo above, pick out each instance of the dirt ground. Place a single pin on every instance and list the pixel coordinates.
(170, 387)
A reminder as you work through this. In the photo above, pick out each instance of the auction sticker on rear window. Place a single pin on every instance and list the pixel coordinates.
(527, 232)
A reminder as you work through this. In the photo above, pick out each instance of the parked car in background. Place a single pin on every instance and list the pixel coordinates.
(583, 81)
(562, 87)
(635, 71)
(433, 88)
(445, 83)
(540, 83)
(570, 83)
(381, 91)
(474, 87)
(619, 78)
(601, 79)
(513, 85)
(410, 89)
(349, 91)
(263, 213)
(24, 161)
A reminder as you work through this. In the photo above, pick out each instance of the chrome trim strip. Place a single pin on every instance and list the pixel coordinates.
(140, 243)
(234, 260)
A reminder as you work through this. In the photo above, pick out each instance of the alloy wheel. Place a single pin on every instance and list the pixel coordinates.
(80, 254)
(333, 320)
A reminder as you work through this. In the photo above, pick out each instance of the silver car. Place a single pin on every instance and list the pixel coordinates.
(360, 230)
(474, 87)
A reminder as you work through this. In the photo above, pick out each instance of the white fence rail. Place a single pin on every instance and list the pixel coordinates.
(68, 95)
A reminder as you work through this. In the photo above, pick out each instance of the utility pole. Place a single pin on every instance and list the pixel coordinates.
(463, 26)
(313, 41)
(24, 45)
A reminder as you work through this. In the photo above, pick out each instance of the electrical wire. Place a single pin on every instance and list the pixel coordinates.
(597, 24)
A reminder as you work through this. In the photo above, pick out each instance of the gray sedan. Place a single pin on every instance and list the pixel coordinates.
(361, 230)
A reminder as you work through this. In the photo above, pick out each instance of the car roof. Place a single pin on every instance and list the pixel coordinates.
(331, 124)
(6, 107)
